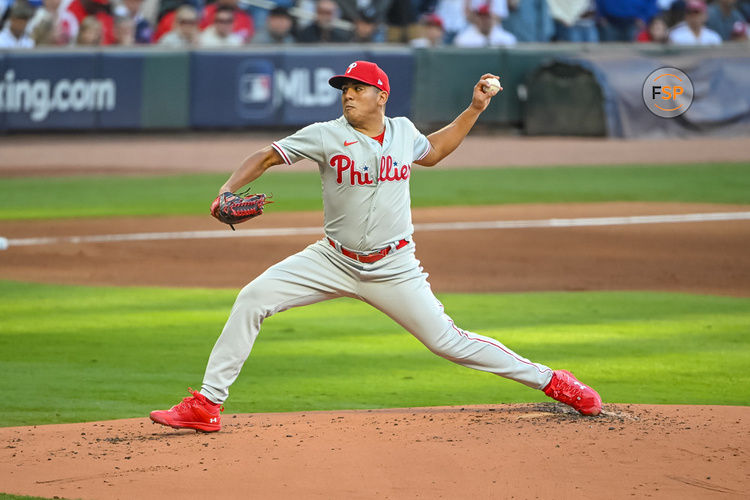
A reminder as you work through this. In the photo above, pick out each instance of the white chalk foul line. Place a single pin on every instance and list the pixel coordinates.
(433, 226)
(585, 221)
(179, 235)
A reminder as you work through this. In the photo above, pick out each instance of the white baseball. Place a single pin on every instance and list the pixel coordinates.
(493, 87)
(3, 243)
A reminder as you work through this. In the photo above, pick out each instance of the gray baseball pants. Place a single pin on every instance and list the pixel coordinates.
(396, 285)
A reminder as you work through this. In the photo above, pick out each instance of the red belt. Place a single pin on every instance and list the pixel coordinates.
(368, 258)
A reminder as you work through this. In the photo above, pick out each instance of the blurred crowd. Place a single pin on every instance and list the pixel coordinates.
(419, 23)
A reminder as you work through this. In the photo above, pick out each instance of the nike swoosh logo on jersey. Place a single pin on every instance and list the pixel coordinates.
(346, 143)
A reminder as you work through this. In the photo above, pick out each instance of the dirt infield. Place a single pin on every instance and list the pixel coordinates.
(505, 451)
(502, 451)
(703, 257)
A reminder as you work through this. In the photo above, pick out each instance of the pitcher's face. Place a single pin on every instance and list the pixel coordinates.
(361, 101)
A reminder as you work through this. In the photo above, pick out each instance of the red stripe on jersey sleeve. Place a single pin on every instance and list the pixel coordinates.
(281, 152)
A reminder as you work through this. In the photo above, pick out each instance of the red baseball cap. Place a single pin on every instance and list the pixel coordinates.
(483, 10)
(432, 20)
(365, 72)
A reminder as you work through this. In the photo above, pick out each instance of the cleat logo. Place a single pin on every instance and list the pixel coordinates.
(583, 387)
(213, 420)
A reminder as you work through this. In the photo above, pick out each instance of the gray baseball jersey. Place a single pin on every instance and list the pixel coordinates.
(365, 184)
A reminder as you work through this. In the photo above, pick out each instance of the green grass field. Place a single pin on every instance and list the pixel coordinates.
(71, 353)
(191, 194)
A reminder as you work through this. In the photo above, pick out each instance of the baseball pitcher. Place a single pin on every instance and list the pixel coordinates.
(365, 160)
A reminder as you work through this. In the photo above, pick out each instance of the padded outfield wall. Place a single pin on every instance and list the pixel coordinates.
(155, 89)
(256, 88)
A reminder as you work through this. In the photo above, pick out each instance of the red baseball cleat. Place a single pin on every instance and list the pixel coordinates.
(564, 387)
(195, 412)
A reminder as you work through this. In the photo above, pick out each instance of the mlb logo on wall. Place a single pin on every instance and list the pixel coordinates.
(255, 89)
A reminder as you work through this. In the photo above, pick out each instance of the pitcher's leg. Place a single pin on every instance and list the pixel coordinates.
(303, 278)
(411, 303)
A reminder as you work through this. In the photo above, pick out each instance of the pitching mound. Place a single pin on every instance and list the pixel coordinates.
(531, 450)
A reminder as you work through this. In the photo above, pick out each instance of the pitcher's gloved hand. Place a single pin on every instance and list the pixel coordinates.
(231, 208)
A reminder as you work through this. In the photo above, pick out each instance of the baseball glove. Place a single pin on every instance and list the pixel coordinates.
(231, 208)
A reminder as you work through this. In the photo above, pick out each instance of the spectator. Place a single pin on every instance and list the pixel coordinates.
(673, 11)
(13, 35)
(620, 21)
(167, 13)
(279, 28)
(575, 20)
(453, 17)
(124, 31)
(529, 20)
(484, 31)
(433, 33)
(89, 32)
(132, 9)
(260, 15)
(739, 32)
(47, 11)
(220, 34)
(184, 34)
(242, 25)
(43, 33)
(67, 25)
(321, 30)
(401, 18)
(722, 15)
(366, 26)
(45, 27)
(693, 31)
(100, 9)
(656, 31)
(455, 14)
(350, 9)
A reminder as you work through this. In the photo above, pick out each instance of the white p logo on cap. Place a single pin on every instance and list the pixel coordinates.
(351, 67)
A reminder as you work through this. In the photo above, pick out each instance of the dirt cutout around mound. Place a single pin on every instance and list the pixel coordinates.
(511, 451)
